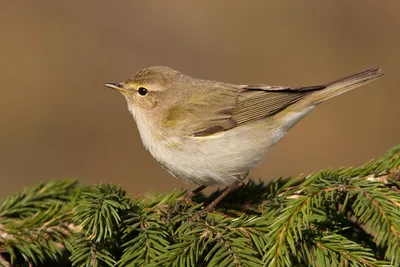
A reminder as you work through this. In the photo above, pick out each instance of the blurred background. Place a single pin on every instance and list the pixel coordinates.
(58, 121)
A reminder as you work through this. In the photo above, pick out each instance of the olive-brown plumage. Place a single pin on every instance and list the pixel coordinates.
(210, 132)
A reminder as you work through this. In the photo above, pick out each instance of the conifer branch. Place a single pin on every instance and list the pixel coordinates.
(345, 217)
(35, 225)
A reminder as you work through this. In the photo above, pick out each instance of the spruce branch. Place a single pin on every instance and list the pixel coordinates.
(98, 214)
(35, 225)
(145, 237)
(345, 217)
(371, 202)
(342, 252)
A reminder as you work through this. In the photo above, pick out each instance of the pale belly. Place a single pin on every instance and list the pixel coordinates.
(216, 159)
(221, 158)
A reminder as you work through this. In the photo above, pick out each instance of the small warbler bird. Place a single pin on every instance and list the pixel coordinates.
(209, 132)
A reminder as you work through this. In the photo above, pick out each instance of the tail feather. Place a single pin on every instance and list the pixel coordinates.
(345, 84)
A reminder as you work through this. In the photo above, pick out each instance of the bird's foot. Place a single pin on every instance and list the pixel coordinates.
(186, 199)
(203, 213)
(180, 203)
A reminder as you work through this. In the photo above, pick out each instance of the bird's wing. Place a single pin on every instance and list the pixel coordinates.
(259, 101)
(227, 108)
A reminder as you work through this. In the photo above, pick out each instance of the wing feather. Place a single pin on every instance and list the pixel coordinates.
(241, 104)
(258, 101)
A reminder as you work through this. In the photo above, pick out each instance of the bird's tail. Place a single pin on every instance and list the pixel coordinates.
(345, 84)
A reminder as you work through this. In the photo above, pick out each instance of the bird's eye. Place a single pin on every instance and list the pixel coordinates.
(142, 91)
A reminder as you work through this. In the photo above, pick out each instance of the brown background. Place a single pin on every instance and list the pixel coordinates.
(58, 121)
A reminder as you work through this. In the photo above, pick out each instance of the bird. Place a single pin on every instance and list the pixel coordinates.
(210, 132)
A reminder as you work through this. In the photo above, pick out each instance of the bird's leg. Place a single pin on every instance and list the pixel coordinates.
(212, 205)
(187, 198)
(215, 202)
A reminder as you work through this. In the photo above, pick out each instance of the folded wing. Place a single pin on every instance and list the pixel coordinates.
(254, 102)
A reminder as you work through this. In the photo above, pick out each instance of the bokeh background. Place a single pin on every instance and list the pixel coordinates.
(58, 121)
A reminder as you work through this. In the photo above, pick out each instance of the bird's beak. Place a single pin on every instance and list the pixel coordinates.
(115, 86)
